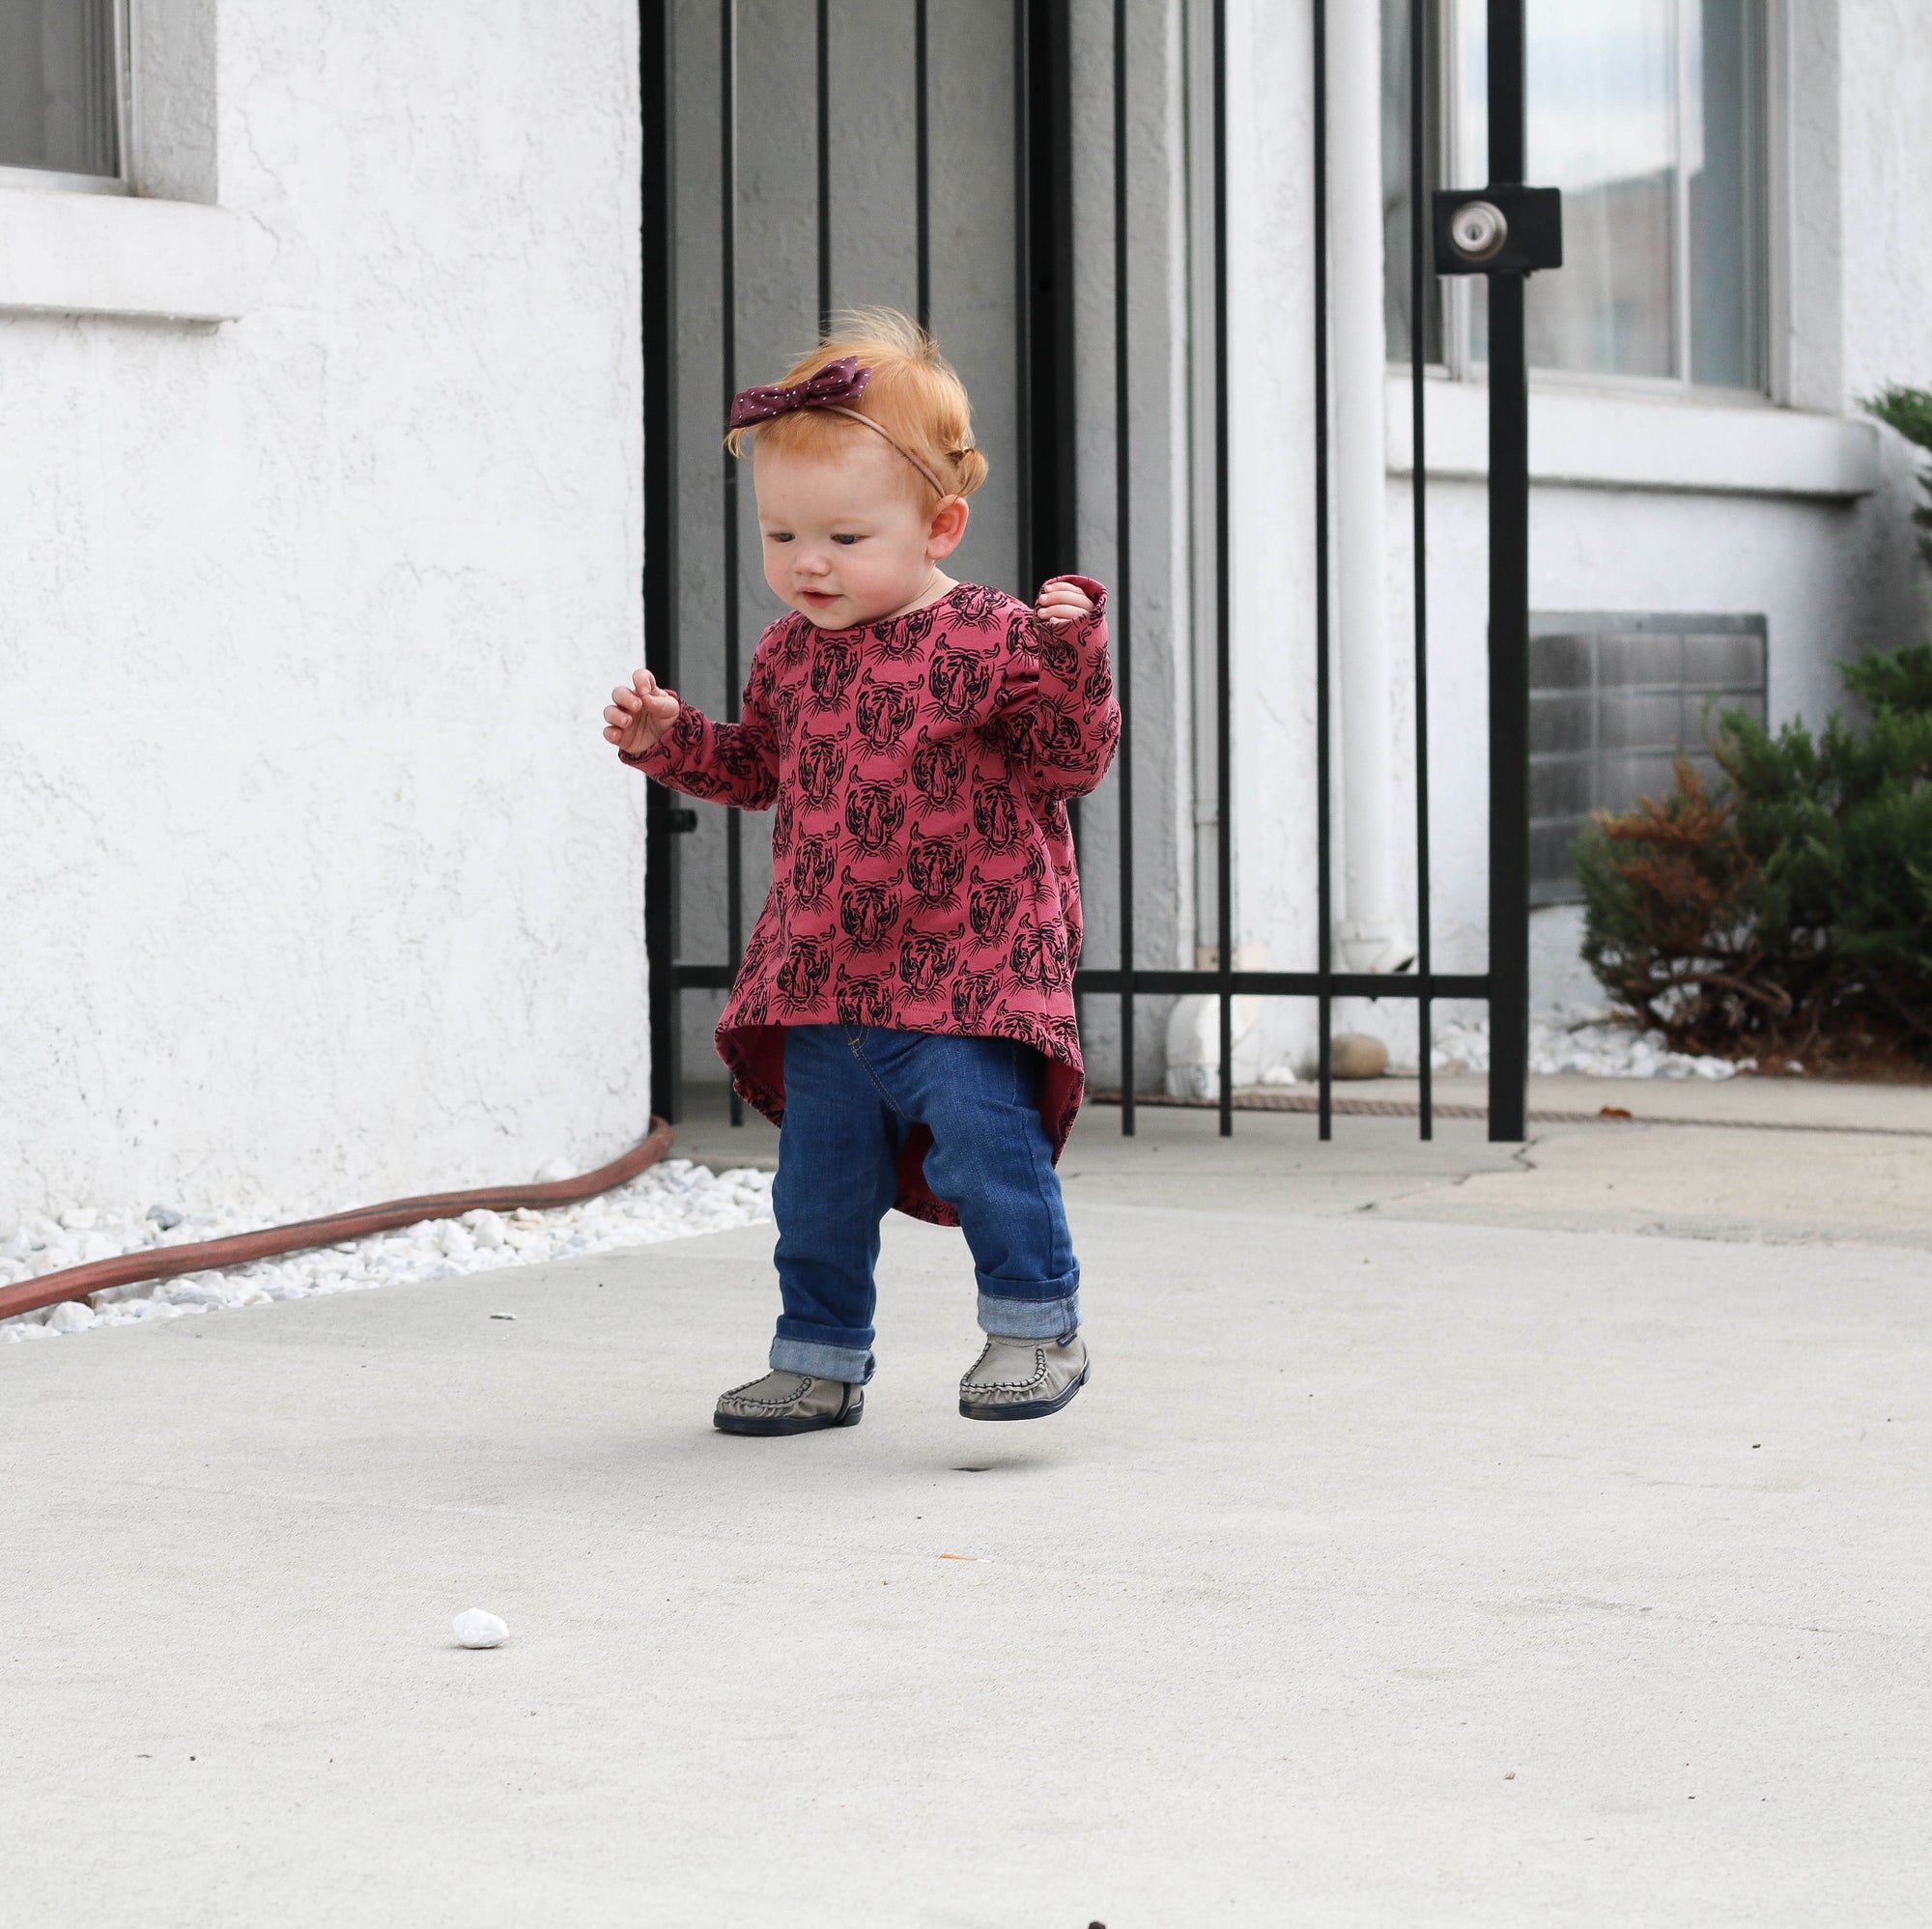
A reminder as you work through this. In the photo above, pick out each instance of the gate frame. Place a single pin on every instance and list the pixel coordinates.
(1043, 47)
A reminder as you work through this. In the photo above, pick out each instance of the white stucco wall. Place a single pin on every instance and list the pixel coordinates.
(319, 881)
(1885, 165)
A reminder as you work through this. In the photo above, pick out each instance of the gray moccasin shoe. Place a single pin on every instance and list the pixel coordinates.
(788, 1402)
(1024, 1380)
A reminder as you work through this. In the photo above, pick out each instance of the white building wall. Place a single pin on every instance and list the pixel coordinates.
(1884, 193)
(318, 880)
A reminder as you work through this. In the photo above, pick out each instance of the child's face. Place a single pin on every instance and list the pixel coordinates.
(847, 541)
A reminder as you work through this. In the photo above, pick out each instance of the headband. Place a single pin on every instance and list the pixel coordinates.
(833, 385)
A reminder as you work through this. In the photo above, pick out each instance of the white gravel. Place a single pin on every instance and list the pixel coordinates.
(1593, 1044)
(670, 1200)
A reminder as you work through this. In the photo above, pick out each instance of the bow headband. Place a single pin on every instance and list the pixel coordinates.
(830, 388)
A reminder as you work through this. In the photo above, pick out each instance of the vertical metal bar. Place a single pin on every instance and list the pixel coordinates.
(1050, 539)
(1508, 614)
(823, 95)
(1124, 579)
(1418, 127)
(727, 338)
(922, 134)
(1048, 340)
(1023, 477)
(659, 352)
(1223, 789)
(1324, 890)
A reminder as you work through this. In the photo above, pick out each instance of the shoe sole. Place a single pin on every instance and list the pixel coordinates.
(1027, 1409)
(730, 1423)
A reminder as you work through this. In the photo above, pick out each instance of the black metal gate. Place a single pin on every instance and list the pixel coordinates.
(694, 67)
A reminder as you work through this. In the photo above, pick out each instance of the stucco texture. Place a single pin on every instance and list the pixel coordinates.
(320, 881)
(1885, 68)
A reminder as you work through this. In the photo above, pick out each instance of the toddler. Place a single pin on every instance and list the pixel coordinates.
(904, 1011)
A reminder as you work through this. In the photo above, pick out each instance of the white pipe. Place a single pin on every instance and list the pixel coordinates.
(1370, 927)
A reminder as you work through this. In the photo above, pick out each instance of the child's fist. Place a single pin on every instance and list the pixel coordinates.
(639, 714)
(1061, 601)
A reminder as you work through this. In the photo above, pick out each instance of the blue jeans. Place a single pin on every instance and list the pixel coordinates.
(852, 1095)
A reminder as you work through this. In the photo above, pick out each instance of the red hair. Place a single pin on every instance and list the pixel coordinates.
(915, 395)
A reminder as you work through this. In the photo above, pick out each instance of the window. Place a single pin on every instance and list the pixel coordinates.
(1614, 700)
(63, 92)
(1649, 115)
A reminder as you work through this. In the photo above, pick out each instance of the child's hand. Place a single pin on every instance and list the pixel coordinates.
(637, 716)
(1061, 601)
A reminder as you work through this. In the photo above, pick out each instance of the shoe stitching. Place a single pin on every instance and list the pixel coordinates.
(806, 1382)
(739, 1394)
(1041, 1375)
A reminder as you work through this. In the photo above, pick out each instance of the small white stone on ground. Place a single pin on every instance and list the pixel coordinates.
(476, 1628)
(70, 1317)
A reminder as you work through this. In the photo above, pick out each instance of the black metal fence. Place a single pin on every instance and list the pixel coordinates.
(1039, 63)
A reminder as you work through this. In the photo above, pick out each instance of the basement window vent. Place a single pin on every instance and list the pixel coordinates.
(1614, 700)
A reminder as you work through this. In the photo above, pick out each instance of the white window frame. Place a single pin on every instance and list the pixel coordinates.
(156, 244)
(1463, 169)
(50, 180)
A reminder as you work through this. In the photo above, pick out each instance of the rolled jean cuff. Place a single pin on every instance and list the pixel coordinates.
(1030, 1319)
(852, 1365)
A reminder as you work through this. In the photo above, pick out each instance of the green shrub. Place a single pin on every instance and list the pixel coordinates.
(1791, 913)
(1908, 411)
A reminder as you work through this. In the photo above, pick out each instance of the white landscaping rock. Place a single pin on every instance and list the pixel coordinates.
(1595, 1046)
(476, 1628)
(70, 1317)
(196, 1289)
(670, 1200)
(485, 1229)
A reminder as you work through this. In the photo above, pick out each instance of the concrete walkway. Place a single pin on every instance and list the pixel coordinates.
(1402, 1564)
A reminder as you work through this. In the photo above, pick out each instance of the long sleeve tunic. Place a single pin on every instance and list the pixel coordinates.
(923, 876)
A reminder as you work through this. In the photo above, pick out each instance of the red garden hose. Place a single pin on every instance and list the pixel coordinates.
(167, 1261)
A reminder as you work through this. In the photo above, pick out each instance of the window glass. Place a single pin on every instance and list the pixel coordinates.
(60, 86)
(1648, 114)
(1601, 78)
(1724, 168)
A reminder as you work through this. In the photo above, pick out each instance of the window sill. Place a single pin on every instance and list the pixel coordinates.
(1600, 441)
(104, 254)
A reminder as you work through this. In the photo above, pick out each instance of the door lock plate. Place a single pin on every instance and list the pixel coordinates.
(1498, 230)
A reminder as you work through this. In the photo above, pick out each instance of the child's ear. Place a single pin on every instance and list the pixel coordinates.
(947, 527)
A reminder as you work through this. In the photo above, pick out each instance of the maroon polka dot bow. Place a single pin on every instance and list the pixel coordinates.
(836, 382)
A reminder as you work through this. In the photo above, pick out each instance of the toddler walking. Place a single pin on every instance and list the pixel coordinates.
(904, 1010)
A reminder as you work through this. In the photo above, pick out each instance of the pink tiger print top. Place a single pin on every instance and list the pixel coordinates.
(922, 869)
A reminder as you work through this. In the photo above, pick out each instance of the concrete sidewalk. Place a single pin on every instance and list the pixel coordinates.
(1389, 1573)
(1765, 1161)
